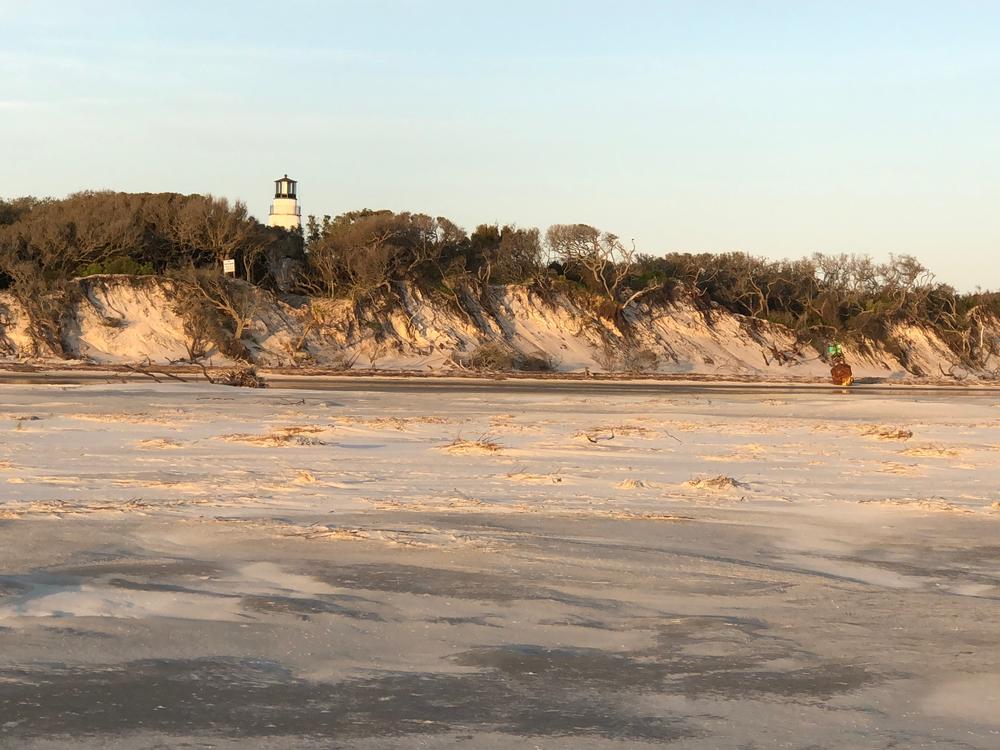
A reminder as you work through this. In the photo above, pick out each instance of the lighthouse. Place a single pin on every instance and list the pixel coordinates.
(285, 211)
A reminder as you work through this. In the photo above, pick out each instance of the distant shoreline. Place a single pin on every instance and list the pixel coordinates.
(82, 374)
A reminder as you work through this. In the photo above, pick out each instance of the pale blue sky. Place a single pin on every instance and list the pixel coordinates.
(779, 128)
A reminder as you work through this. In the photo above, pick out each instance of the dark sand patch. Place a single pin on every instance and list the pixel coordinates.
(254, 698)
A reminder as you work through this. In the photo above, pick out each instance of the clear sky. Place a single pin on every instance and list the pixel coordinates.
(779, 128)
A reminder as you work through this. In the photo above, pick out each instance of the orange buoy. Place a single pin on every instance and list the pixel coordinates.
(841, 374)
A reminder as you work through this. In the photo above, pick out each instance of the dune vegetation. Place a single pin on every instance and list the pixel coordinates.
(374, 264)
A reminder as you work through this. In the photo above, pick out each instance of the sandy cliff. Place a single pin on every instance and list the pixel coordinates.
(120, 319)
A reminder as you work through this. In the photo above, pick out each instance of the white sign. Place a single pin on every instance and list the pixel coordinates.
(229, 266)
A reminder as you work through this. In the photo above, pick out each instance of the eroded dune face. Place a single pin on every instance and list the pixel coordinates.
(119, 319)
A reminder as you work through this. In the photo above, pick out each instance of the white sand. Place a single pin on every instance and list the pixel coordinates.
(817, 514)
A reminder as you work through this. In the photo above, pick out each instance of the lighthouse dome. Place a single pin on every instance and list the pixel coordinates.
(284, 187)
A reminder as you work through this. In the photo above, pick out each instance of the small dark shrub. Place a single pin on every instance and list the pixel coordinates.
(639, 360)
(539, 362)
(490, 357)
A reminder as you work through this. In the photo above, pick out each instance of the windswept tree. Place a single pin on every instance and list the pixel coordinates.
(218, 308)
(362, 252)
(600, 260)
(14, 209)
(219, 229)
(505, 255)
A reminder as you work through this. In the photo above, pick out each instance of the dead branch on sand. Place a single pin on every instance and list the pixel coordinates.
(240, 377)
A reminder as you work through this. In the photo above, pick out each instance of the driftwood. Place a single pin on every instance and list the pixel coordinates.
(151, 374)
(781, 356)
(951, 372)
(240, 377)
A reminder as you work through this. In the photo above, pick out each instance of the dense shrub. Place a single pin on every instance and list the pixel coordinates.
(490, 357)
(538, 362)
(361, 253)
(119, 265)
(158, 231)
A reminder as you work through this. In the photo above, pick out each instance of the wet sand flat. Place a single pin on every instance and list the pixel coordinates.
(197, 566)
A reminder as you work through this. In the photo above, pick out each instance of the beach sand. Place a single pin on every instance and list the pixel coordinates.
(201, 566)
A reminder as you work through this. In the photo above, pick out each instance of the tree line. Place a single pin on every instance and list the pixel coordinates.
(367, 256)
(98, 232)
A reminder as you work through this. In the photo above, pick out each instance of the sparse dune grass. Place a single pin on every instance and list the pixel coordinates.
(503, 421)
(879, 432)
(930, 451)
(283, 437)
(633, 484)
(302, 476)
(627, 430)
(472, 505)
(483, 445)
(62, 508)
(390, 423)
(627, 515)
(179, 483)
(159, 444)
(892, 467)
(720, 482)
(433, 504)
(274, 527)
(48, 479)
(679, 425)
(168, 418)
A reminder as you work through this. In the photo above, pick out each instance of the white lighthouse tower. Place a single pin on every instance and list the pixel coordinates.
(285, 211)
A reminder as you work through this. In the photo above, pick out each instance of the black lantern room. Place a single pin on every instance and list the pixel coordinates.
(284, 188)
